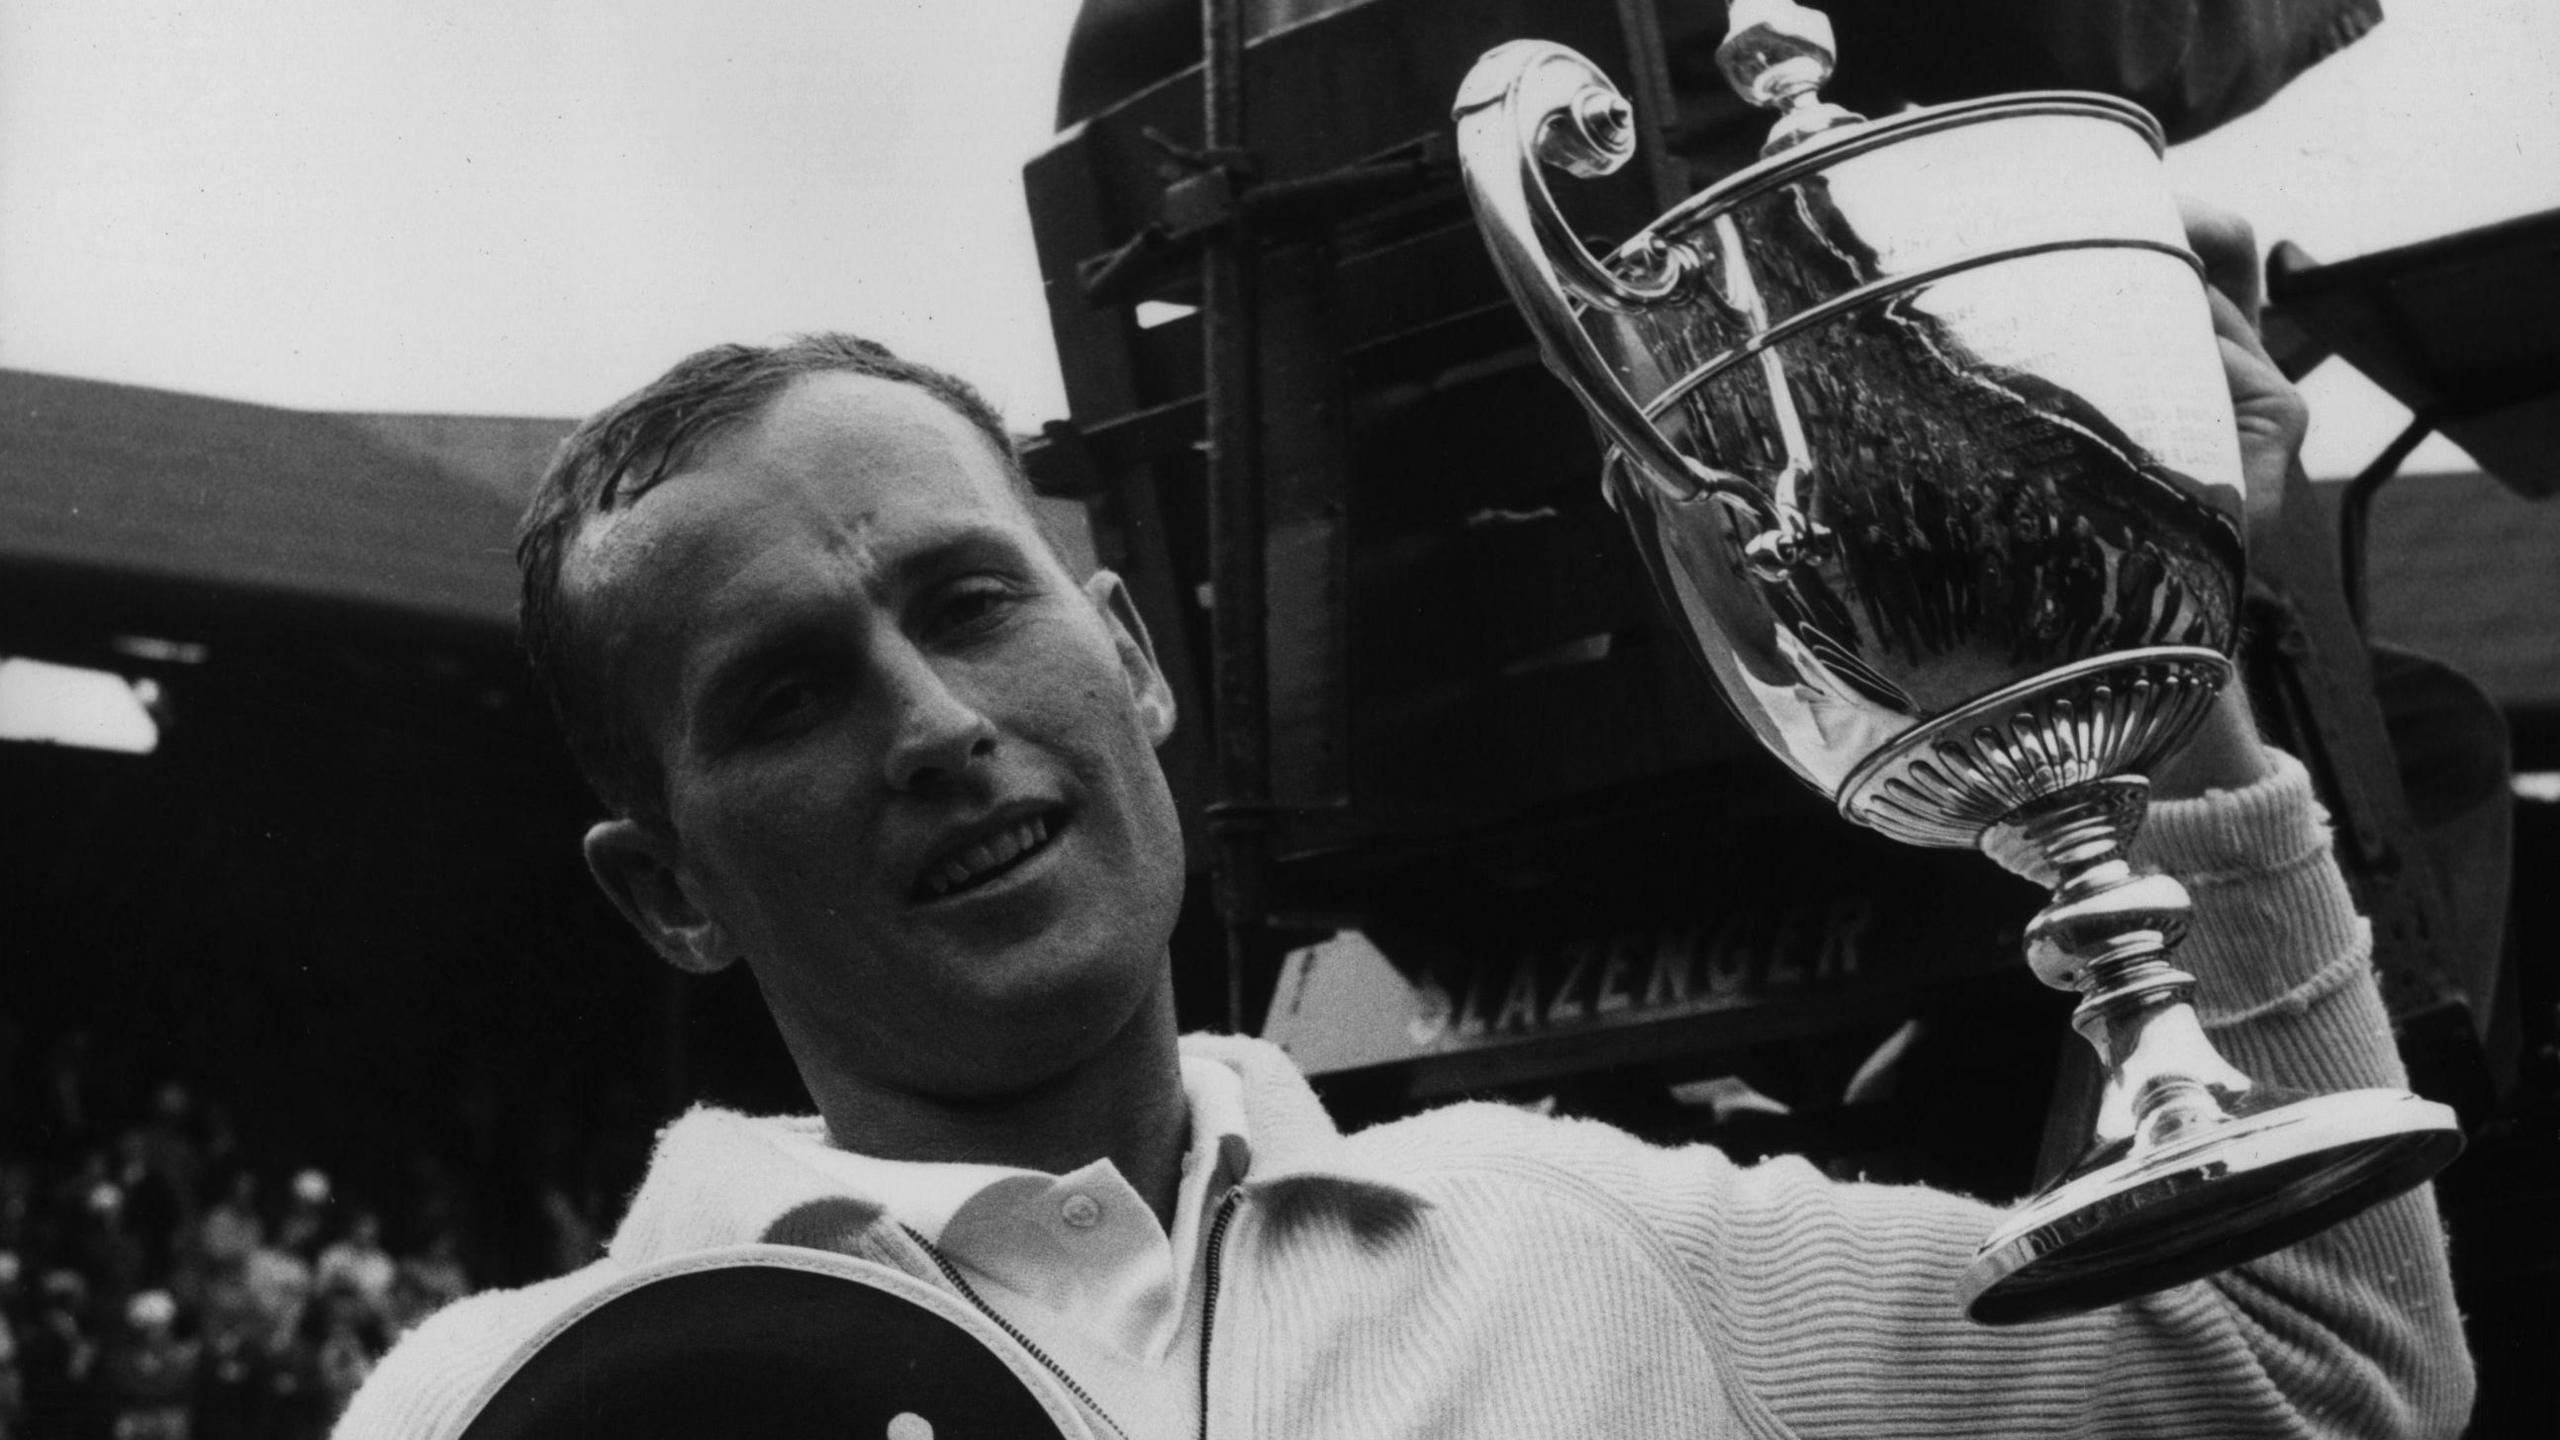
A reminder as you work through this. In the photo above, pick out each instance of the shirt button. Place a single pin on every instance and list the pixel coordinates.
(1081, 1211)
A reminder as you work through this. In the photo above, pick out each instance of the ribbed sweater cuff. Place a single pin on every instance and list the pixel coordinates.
(2274, 926)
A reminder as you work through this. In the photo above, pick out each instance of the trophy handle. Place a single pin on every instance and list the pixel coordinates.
(1531, 103)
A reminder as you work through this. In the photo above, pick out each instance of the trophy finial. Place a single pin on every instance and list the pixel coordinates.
(1776, 54)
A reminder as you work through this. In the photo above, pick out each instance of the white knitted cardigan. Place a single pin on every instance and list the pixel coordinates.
(1482, 1272)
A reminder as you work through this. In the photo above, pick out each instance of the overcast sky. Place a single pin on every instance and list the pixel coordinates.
(529, 206)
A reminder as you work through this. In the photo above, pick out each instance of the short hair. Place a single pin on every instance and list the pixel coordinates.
(619, 455)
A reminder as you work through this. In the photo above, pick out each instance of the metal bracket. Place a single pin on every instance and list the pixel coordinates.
(2355, 508)
(1069, 461)
(1223, 185)
(1202, 157)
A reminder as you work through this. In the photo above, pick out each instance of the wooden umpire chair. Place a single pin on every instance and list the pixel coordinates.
(1481, 736)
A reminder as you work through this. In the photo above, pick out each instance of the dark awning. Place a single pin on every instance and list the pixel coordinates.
(2464, 329)
(2462, 568)
(104, 485)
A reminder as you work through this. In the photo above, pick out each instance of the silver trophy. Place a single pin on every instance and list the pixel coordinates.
(1921, 429)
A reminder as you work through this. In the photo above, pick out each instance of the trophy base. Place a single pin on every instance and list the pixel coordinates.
(2129, 1220)
(1944, 783)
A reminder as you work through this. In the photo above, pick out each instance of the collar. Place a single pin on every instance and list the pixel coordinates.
(719, 1177)
(931, 1197)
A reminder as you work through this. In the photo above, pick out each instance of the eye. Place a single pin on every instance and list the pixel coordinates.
(779, 705)
(967, 606)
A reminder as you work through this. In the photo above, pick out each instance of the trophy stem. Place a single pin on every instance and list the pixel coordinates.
(2107, 934)
(2192, 1167)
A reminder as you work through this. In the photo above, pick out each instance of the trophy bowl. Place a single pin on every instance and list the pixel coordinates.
(1920, 428)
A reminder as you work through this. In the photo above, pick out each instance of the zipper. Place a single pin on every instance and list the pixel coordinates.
(951, 1273)
(1209, 1294)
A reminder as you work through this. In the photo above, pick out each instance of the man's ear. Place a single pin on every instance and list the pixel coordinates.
(1147, 686)
(635, 867)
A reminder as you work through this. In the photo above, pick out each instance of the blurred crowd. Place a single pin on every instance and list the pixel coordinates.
(159, 1282)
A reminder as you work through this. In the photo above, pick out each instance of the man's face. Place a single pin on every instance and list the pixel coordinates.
(909, 764)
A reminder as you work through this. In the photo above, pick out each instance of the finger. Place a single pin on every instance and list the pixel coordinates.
(2271, 425)
(2260, 394)
(2232, 324)
(2228, 246)
(2267, 411)
(2262, 400)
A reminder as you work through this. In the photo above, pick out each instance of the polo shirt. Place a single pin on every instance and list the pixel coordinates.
(1077, 1263)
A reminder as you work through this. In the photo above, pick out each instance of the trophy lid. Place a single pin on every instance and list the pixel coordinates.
(1776, 54)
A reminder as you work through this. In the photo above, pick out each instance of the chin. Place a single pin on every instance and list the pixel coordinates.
(1052, 1023)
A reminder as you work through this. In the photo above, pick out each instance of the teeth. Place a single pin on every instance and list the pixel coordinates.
(986, 855)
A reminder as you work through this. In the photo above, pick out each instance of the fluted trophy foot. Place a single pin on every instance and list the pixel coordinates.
(2267, 1169)
(2194, 1167)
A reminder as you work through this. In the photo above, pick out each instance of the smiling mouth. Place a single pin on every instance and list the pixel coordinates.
(992, 856)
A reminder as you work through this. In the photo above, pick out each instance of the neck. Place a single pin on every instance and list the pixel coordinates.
(1123, 1102)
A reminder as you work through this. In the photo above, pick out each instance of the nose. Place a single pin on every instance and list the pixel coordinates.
(935, 732)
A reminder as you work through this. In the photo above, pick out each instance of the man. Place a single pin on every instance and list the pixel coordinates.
(861, 730)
